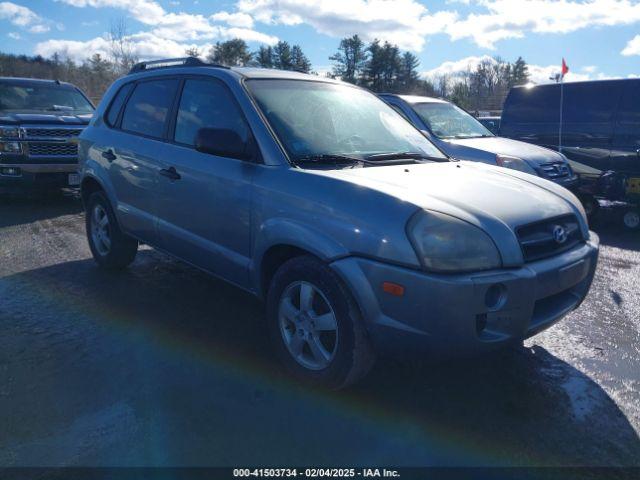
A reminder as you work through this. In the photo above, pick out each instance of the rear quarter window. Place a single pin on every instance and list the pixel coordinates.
(116, 104)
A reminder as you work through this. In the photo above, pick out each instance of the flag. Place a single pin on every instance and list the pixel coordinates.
(565, 68)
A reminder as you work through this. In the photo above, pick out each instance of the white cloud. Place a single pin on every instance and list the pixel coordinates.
(23, 17)
(543, 74)
(237, 19)
(456, 68)
(175, 30)
(409, 23)
(633, 47)
(404, 22)
(14, 35)
(513, 18)
(453, 70)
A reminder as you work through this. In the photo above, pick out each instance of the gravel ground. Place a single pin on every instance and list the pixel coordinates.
(163, 365)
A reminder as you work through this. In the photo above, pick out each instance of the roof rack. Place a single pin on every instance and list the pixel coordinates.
(172, 62)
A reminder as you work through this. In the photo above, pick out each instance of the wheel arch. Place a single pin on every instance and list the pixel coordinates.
(281, 240)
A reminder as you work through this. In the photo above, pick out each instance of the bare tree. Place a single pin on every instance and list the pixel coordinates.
(193, 52)
(121, 46)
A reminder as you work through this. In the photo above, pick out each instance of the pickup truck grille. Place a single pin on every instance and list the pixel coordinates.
(53, 149)
(52, 132)
(50, 142)
(555, 170)
(549, 237)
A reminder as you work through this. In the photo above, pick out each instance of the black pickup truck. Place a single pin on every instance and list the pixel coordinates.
(39, 121)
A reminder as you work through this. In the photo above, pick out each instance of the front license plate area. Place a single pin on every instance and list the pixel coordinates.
(573, 274)
(74, 179)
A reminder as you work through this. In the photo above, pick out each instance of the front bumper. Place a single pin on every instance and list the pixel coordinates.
(570, 183)
(36, 176)
(458, 315)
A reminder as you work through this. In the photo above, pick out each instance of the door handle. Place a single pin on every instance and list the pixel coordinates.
(109, 155)
(171, 173)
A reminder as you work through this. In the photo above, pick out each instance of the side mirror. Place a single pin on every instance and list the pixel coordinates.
(223, 143)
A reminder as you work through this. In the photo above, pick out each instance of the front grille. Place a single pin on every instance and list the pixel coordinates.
(549, 237)
(555, 170)
(52, 149)
(52, 132)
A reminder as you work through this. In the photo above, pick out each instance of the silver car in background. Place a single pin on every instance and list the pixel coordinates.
(461, 136)
(315, 196)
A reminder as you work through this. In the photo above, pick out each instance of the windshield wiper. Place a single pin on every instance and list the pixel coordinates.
(381, 157)
(329, 158)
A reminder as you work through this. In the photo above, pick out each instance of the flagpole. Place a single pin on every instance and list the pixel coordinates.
(561, 108)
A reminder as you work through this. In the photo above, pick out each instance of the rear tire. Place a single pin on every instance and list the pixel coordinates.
(315, 325)
(111, 249)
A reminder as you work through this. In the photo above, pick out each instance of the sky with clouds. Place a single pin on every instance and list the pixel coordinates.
(599, 38)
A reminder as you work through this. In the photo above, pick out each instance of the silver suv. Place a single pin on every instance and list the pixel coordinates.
(357, 232)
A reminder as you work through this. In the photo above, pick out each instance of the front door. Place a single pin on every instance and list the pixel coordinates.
(204, 208)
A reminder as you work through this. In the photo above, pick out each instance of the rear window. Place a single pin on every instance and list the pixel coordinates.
(147, 108)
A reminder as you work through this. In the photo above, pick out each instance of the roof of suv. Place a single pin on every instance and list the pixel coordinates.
(177, 65)
(413, 99)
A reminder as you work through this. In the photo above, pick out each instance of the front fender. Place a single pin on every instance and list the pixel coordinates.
(284, 231)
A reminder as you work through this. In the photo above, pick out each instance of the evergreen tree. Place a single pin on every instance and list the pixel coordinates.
(264, 57)
(233, 53)
(519, 72)
(299, 60)
(350, 59)
(282, 58)
(408, 77)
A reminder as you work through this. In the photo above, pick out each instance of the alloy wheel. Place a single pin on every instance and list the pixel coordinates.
(308, 325)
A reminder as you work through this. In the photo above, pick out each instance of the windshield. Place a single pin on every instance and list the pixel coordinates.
(448, 121)
(316, 118)
(38, 98)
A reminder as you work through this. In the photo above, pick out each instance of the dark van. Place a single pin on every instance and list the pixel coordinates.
(600, 127)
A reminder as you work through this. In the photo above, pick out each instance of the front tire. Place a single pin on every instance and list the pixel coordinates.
(315, 325)
(111, 249)
(631, 219)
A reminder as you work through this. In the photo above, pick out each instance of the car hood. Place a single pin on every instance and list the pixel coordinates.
(44, 119)
(495, 199)
(533, 154)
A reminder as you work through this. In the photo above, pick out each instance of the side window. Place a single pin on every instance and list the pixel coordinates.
(630, 104)
(116, 104)
(539, 104)
(207, 104)
(589, 102)
(147, 108)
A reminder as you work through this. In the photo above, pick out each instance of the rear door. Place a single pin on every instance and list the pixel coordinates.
(134, 154)
(625, 155)
(204, 212)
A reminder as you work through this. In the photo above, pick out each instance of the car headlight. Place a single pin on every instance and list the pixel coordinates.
(10, 147)
(9, 132)
(447, 244)
(514, 163)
